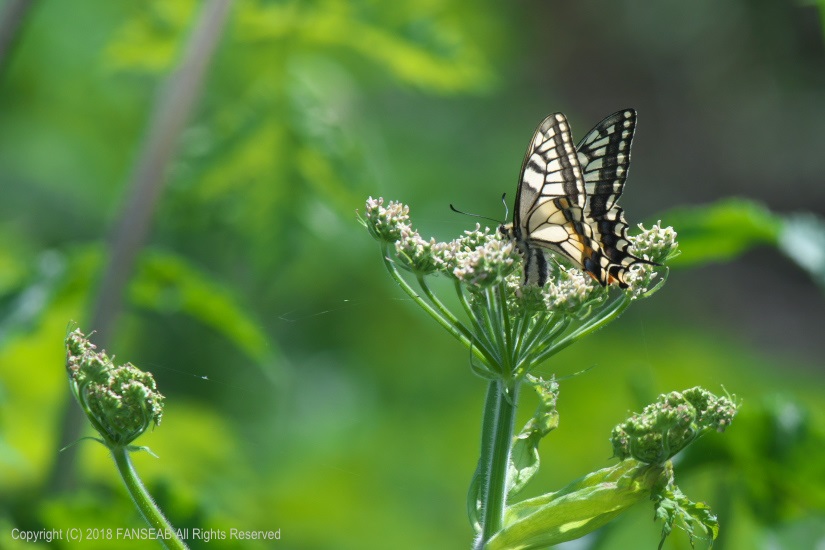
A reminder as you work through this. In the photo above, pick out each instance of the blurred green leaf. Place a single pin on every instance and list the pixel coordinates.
(168, 283)
(722, 230)
(802, 239)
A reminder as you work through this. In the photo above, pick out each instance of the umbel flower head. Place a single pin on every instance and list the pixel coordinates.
(511, 327)
(121, 402)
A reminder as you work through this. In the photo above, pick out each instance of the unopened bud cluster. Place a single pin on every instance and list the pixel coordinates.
(666, 427)
(121, 402)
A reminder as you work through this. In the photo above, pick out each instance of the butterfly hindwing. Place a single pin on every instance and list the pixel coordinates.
(604, 156)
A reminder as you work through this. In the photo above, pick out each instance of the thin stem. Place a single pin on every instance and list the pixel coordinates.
(505, 314)
(444, 322)
(441, 307)
(494, 493)
(441, 320)
(620, 305)
(143, 500)
(453, 319)
(481, 336)
(520, 332)
(544, 340)
(485, 324)
(497, 327)
(533, 333)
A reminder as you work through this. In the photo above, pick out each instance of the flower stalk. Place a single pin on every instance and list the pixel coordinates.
(121, 402)
(510, 329)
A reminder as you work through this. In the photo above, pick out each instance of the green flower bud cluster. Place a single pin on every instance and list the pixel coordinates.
(667, 426)
(121, 402)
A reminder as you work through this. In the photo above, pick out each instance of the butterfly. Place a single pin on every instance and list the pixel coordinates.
(567, 199)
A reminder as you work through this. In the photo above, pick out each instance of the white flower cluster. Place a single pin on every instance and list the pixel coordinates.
(416, 254)
(386, 223)
(572, 290)
(655, 244)
(479, 258)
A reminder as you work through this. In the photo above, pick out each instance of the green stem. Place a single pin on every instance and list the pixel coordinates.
(440, 319)
(493, 317)
(502, 402)
(481, 335)
(143, 500)
(508, 334)
(484, 347)
(622, 302)
(482, 471)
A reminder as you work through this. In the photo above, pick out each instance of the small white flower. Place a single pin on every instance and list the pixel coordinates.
(415, 253)
(571, 290)
(385, 223)
(655, 244)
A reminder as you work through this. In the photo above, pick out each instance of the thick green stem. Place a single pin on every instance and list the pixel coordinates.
(482, 473)
(143, 500)
(494, 492)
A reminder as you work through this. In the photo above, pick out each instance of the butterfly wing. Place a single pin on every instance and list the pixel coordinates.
(604, 157)
(550, 202)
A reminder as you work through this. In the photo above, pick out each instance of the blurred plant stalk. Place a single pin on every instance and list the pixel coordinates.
(176, 100)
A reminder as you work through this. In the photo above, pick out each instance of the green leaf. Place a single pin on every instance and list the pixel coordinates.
(524, 457)
(167, 283)
(802, 239)
(580, 508)
(673, 507)
(722, 230)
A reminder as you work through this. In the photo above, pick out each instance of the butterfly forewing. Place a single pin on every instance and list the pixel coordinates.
(551, 201)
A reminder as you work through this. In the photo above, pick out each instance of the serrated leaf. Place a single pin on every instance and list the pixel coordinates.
(524, 456)
(694, 518)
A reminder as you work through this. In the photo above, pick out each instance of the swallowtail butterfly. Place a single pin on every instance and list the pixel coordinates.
(567, 199)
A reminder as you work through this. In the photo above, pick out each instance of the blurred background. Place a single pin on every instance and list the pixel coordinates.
(183, 178)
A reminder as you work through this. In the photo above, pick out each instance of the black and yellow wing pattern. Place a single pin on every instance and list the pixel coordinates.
(567, 199)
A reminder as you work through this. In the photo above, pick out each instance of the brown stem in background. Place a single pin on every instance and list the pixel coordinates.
(12, 15)
(131, 227)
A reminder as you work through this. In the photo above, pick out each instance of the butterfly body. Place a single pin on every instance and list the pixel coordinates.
(567, 199)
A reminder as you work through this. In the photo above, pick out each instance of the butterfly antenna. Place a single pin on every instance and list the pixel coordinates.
(456, 210)
(504, 202)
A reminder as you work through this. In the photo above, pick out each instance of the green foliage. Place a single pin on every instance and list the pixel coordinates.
(673, 507)
(168, 284)
(802, 239)
(310, 106)
(727, 229)
(722, 231)
(580, 508)
(524, 457)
